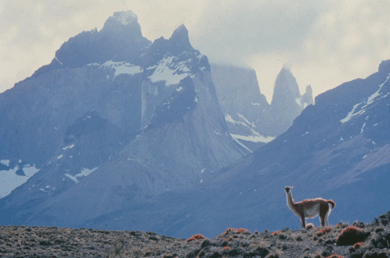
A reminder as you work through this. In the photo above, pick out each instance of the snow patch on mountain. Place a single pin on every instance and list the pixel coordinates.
(371, 99)
(9, 180)
(122, 68)
(245, 122)
(68, 147)
(241, 144)
(171, 72)
(5, 162)
(230, 119)
(255, 137)
(58, 61)
(84, 172)
(47, 189)
(362, 130)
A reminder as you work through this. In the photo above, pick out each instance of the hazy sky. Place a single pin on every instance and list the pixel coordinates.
(324, 42)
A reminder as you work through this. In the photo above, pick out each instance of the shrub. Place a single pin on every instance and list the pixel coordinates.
(351, 235)
(322, 231)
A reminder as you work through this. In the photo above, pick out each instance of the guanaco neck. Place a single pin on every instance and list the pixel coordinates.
(290, 200)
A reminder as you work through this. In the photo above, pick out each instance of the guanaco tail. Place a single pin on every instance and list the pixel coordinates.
(310, 208)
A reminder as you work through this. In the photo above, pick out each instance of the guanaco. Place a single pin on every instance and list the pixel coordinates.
(310, 208)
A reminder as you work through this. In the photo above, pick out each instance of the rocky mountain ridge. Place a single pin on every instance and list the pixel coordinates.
(251, 120)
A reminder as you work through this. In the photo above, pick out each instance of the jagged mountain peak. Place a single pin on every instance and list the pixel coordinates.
(285, 84)
(120, 39)
(309, 89)
(180, 39)
(287, 102)
(307, 97)
(123, 23)
(122, 19)
(384, 66)
(181, 30)
(125, 17)
(286, 67)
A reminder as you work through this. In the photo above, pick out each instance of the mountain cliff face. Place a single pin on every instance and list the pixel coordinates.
(114, 118)
(253, 122)
(246, 109)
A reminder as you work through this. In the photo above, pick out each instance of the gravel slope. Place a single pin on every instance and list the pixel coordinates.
(341, 240)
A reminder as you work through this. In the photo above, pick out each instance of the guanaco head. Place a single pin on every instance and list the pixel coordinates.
(288, 188)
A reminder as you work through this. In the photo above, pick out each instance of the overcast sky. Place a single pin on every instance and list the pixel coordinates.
(324, 42)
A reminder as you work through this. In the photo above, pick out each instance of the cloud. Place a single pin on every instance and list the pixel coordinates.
(255, 26)
(345, 42)
(325, 42)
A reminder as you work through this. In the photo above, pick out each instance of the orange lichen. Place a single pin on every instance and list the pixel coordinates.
(237, 230)
(240, 230)
(322, 231)
(350, 235)
(228, 239)
(357, 245)
(275, 233)
(226, 248)
(195, 237)
(335, 256)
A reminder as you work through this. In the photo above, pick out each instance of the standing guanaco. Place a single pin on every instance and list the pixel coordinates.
(310, 208)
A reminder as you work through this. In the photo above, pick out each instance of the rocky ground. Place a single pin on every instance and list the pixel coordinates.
(342, 240)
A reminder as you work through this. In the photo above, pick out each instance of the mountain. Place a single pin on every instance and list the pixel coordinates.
(112, 121)
(336, 149)
(251, 120)
(287, 102)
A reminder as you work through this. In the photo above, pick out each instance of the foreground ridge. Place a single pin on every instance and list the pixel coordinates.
(342, 240)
